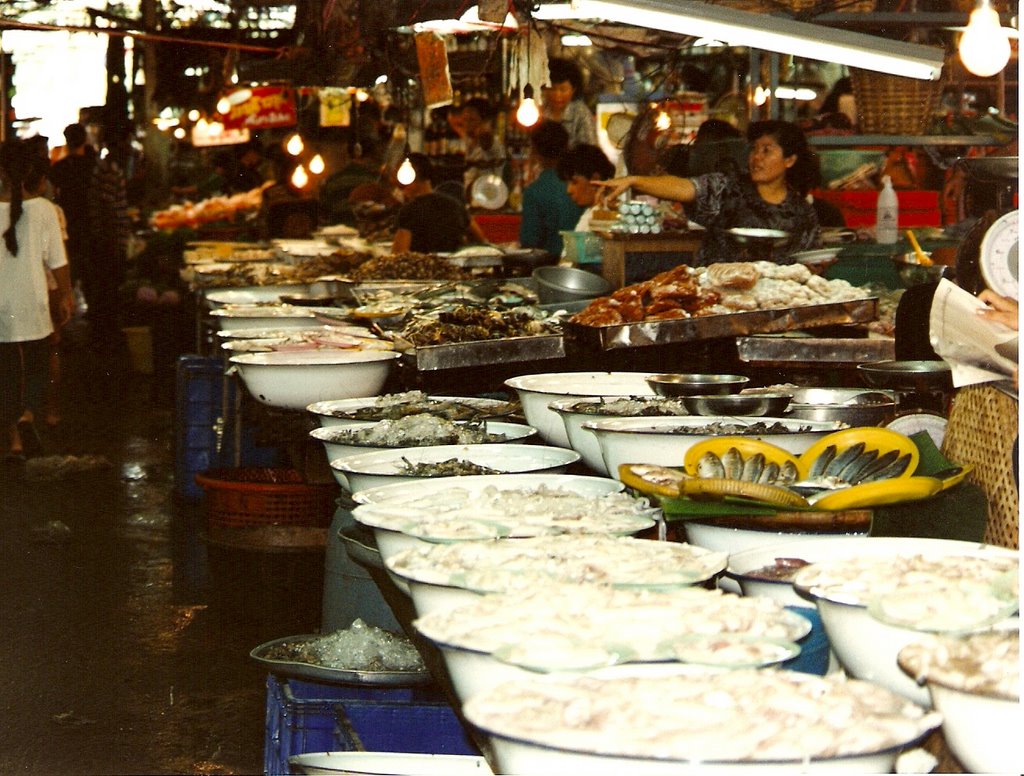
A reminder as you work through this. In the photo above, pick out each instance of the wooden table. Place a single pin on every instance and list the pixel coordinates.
(627, 258)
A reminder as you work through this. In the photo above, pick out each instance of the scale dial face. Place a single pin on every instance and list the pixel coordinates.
(998, 257)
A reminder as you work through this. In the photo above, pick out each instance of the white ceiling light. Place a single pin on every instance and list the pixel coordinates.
(741, 28)
(576, 40)
(468, 22)
(984, 47)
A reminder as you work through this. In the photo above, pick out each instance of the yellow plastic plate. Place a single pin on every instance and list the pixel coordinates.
(881, 440)
(873, 494)
(746, 447)
(756, 491)
(956, 479)
(652, 479)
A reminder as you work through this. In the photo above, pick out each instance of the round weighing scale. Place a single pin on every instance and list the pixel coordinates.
(998, 256)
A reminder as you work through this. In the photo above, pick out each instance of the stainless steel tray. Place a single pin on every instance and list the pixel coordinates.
(484, 352)
(647, 333)
(319, 673)
(816, 349)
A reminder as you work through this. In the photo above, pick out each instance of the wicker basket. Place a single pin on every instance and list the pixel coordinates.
(981, 431)
(259, 497)
(892, 104)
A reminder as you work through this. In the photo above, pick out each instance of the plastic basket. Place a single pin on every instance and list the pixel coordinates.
(304, 717)
(891, 104)
(255, 497)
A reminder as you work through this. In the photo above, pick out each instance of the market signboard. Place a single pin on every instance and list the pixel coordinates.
(267, 106)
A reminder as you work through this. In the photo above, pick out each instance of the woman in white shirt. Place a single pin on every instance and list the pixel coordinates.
(31, 244)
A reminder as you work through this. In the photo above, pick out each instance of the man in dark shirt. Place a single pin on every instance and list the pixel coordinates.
(72, 179)
(429, 222)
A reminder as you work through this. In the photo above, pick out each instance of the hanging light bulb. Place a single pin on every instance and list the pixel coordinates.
(760, 95)
(223, 105)
(663, 121)
(317, 165)
(294, 145)
(406, 172)
(193, 115)
(300, 177)
(180, 133)
(984, 46)
(527, 114)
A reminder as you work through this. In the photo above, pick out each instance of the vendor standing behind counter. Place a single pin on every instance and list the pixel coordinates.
(781, 170)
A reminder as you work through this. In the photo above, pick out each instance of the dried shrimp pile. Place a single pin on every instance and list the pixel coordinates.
(466, 323)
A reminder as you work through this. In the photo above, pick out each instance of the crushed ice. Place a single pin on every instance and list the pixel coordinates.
(364, 647)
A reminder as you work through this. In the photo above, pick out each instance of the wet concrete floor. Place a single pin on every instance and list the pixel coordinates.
(124, 649)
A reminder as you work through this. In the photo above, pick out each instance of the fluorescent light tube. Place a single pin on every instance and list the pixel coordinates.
(758, 31)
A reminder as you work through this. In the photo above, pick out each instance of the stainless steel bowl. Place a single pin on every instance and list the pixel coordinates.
(568, 284)
(772, 404)
(854, 406)
(696, 384)
(908, 375)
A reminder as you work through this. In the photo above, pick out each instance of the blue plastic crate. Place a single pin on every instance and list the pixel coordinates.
(305, 717)
(814, 648)
(200, 408)
(421, 728)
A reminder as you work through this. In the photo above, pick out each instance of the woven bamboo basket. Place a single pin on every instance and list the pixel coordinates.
(981, 430)
(892, 104)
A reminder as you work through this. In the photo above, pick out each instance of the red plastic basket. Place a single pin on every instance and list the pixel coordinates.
(250, 497)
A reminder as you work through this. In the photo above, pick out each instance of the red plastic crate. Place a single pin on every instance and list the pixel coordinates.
(917, 208)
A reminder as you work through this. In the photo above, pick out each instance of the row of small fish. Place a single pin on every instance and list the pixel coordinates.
(855, 465)
(732, 465)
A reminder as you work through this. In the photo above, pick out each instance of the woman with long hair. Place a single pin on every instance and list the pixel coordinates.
(771, 194)
(32, 243)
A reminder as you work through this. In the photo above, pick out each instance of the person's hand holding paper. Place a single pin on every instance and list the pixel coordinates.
(974, 338)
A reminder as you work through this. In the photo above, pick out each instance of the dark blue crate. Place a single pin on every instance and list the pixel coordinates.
(200, 410)
(304, 717)
(420, 728)
(814, 648)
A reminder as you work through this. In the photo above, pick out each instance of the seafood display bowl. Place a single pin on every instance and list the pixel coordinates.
(867, 647)
(739, 534)
(537, 391)
(669, 384)
(326, 412)
(583, 440)
(745, 564)
(980, 728)
(665, 440)
(757, 404)
(854, 406)
(268, 316)
(337, 450)
(388, 764)
(921, 376)
(384, 467)
(293, 380)
(577, 483)
(564, 752)
(224, 297)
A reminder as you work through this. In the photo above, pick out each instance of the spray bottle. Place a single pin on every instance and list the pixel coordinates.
(887, 214)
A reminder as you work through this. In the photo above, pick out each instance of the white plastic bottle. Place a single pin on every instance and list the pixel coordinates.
(887, 214)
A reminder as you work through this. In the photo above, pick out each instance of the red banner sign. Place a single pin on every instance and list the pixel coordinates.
(266, 106)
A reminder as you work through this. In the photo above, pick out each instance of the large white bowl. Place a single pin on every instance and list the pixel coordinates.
(866, 647)
(323, 410)
(384, 467)
(223, 297)
(552, 751)
(651, 440)
(578, 483)
(539, 390)
(270, 316)
(981, 726)
(580, 439)
(294, 380)
(810, 548)
(512, 432)
(388, 764)
(734, 541)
